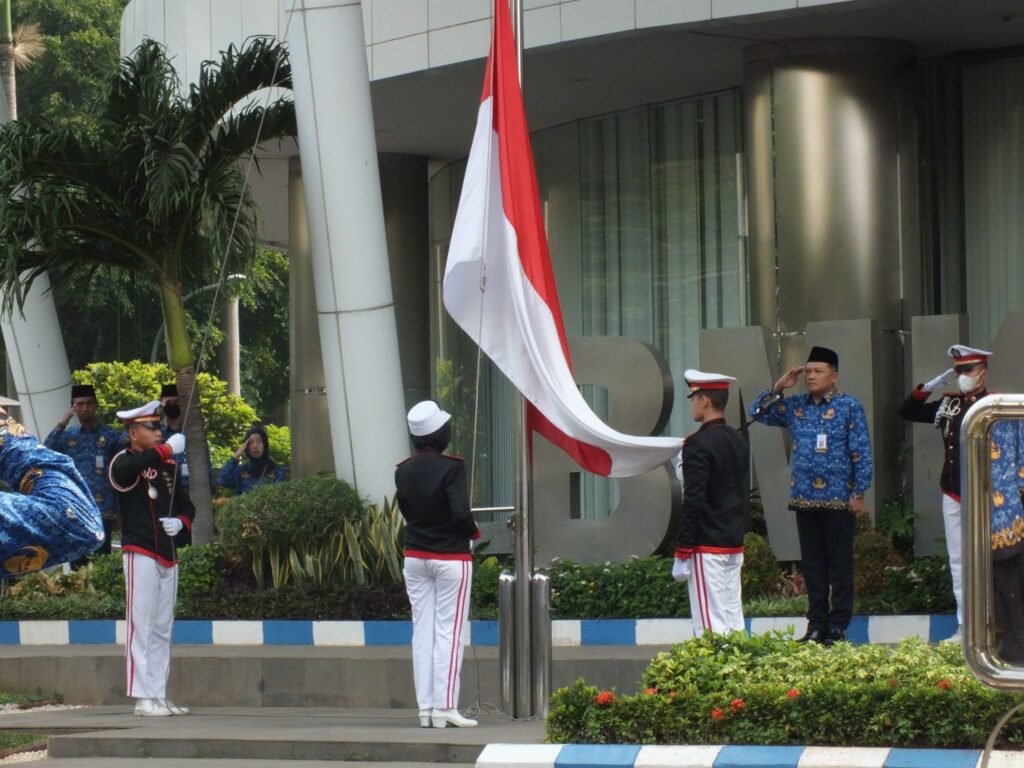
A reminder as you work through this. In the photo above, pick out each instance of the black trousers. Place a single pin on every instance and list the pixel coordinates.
(826, 553)
(1008, 580)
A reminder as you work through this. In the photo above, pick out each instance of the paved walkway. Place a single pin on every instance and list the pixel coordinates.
(288, 736)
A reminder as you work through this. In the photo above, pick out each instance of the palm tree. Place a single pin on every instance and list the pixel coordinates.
(159, 192)
(18, 49)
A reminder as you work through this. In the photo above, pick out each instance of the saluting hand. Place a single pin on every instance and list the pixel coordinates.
(66, 418)
(242, 447)
(789, 379)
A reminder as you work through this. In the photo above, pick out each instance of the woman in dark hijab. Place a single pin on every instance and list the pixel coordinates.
(260, 468)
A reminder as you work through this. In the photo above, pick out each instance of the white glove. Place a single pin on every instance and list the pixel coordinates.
(176, 442)
(680, 569)
(172, 525)
(940, 381)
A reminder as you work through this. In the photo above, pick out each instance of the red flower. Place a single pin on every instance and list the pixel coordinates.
(944, 684)
(672, 694)
(792, 693)
(892, 682)
(604, 698)
(737, 705)
(717, 713)
(651, 691)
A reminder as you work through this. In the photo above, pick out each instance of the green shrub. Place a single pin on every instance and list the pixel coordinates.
(771, 690)
(330, 602)
(640, 587)
(484, 597)
(313, 531)
(761, 572)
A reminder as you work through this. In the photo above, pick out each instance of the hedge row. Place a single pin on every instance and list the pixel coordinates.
(771, 690)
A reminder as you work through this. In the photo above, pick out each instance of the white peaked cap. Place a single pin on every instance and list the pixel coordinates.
(425, 418)
(963, 355)
(148, 412)
(698, 380)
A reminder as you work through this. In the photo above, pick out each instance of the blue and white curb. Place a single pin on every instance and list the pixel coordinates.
(628, 756)
(564, 633)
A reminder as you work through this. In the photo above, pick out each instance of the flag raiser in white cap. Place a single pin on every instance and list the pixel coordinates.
(698, 380)
(148, 412)
(967, 355)
(425, 418)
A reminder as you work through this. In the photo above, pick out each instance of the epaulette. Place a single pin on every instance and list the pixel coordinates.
(403, 461)
(453, 458)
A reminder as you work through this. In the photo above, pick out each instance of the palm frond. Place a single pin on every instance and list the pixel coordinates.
(28, 45)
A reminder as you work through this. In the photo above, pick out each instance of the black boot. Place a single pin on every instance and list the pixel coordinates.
(834, 636)
(813, 636)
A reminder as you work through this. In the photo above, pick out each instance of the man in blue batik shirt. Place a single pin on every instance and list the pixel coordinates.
(49, 517)
(1007, 529)
(830, 470)
(91, 445)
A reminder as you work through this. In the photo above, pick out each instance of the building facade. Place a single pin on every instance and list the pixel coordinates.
(725, 181)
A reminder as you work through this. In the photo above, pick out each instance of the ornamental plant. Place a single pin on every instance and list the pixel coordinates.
(770, 690)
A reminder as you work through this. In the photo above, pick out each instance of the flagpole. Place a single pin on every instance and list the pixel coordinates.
(524, 517)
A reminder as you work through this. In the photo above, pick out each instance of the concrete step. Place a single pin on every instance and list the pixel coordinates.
(295, 676)
(254, 735)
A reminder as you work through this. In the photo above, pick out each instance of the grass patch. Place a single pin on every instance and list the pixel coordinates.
(13, 741)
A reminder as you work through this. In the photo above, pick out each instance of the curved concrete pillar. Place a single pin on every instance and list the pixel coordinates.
(307, 407)
(822, 155)
(358, 336)
(35, 351)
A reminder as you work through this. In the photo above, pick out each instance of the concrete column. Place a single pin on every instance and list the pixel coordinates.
(308, 415)
(35, 351)
(403, 180)
(822, 155)
(358, 336)
(228, 354)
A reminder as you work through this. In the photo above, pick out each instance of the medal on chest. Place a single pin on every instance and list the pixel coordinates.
(151, 492)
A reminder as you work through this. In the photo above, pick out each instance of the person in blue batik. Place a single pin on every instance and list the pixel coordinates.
(830, 469)
(259, 469)
(91, 445)
(1007, 530)
(50, 517)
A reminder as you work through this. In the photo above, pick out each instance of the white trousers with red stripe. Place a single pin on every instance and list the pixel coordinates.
(151, 590)
(716, 600)
(439, 593)
(952, 521)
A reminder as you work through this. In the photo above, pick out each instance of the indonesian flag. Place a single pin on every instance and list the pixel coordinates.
(500, 289)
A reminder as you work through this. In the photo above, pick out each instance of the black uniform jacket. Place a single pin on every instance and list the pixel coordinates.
(953, 406)
(716, 463)
(132, 474)
(434, 500)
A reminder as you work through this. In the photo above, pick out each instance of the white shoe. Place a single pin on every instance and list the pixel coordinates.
(424, 718)
(175, 709)
(444, 717)
(957, 637)
(151, 708)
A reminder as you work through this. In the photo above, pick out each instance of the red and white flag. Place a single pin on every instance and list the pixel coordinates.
(499, 286)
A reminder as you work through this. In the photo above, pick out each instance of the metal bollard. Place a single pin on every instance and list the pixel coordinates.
(506, 643)
(540, 585)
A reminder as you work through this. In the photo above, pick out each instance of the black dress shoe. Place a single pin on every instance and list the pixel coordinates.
(834, 636)
(813, 636)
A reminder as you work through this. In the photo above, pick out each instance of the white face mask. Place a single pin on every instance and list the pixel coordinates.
(967, 383)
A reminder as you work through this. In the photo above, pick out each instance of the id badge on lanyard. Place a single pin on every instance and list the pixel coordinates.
(821, 444)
